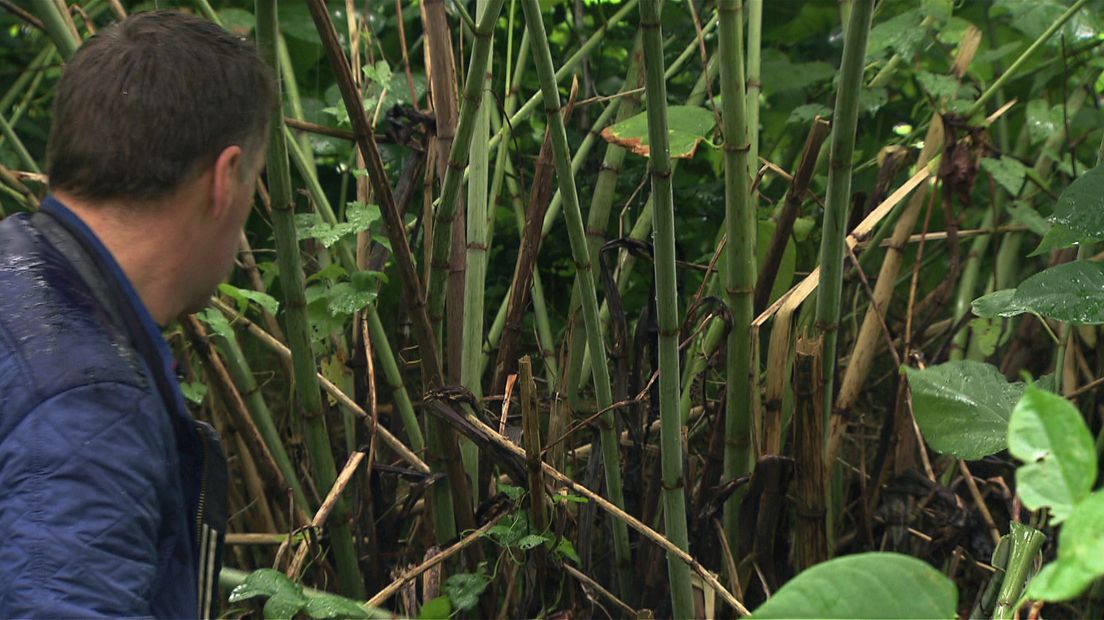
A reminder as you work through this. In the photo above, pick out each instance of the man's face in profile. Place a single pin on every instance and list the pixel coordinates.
(219, 242)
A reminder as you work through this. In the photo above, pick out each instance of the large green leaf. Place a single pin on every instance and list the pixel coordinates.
(1007, 171)
(997, 304)
(1080, 554)
(867, 585)
(243, 296)
(332, 606)
(1071, 292)
(963, 407)
(687, 127)
(1047, 433)
(285, 597)
(1079, 215)
(358, 217)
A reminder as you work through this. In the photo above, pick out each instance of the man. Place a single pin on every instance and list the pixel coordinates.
(112, 498)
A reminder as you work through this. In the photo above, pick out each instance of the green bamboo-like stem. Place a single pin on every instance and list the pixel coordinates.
(458, 158)
(967, 287)
(643, 225)
(697, 361)
(318, 196)
(475, 271)
(754, 85)
(578, 160)
(382, 347)
(17, 145)
(663, 216)
(1025, 542)
(238, 366)
(291, 94)
(740, 273)
(347, 260)
(307, 394)
(30, 92)
(56, 27)
(501, 150)
(442, 440)
(394, 378)
(611, 452)
(601, 201)
(1014, 68)
(540, 306)
(441, 508)
(577, 163)
(19, 86)
(844, 121)
(566, 69)
(623, 107)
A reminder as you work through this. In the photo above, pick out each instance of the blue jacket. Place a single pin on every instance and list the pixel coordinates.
(108, 487)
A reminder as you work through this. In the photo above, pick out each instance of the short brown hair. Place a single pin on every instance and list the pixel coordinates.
(147, 103)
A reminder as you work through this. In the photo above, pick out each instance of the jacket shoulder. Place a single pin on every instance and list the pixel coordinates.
(54, 335)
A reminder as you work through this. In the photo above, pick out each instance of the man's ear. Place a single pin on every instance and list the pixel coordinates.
(227, 176)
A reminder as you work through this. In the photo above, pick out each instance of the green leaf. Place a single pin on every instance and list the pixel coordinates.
(963, 407)
(463, 589)
(1070, 292)
(216, 321)
(380, 73)
(687, 126)
(343, 299)
(568, 497)
(194, 392)
(1032, 17)
(997, 304)
(332, 606)
(938, 85)
(436, 609)
(1008, 172)
(1079, 215)
(1080, 554)
(804, 114)
(1023, 213)
(871, 99)
(900, 34)
(358, 217)
(567, 550)
(264, 582)
(284, 607)
(788, 76)
(1047, 433)
(866, 585)
(1043, 120)
(987, 334)
(332, 272)
(511, 491)
(285, 597)
(244, 296)
(533, 540)
(237, 21)
(510, 530)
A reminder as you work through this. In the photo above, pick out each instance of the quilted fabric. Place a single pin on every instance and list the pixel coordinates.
(95, 496)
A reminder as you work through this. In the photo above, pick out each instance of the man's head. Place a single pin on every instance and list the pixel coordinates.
(148, 103)
(158, 135)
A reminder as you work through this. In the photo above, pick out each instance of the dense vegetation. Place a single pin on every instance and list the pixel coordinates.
(490, 352)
